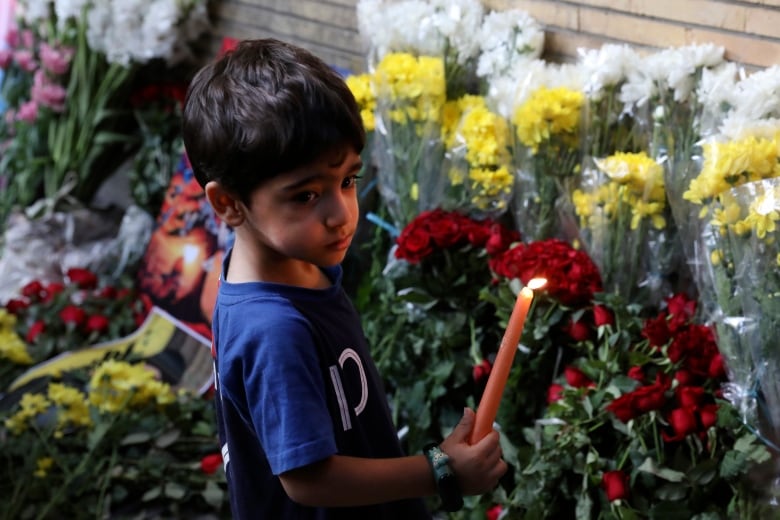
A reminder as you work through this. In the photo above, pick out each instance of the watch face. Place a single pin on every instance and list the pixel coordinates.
(450, 492)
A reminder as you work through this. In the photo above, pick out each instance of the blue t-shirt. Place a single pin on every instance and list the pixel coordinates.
(296, 384)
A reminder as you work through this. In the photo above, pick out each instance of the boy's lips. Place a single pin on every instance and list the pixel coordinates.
(342, 243)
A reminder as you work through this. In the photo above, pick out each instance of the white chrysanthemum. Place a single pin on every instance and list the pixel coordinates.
(737, 128)
(66, 9)
(33, 10)
(457, 21)
(716, 94)
(758, 95)
(637, 89)
(139, 30)
(508, 91)
(506, 36)
(606, 67)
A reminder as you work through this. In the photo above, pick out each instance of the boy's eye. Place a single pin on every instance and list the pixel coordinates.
(305, 196)
(350, 181)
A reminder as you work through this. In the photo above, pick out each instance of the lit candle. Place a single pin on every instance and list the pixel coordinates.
(491, 397)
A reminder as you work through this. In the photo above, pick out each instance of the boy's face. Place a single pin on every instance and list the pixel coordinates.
(308, 214)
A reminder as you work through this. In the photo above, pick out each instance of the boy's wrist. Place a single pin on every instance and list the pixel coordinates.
(446, 482)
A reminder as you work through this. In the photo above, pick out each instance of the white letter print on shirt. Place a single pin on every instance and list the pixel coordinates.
(335, 377)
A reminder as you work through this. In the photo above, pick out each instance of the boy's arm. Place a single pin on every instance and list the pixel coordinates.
(342, 481)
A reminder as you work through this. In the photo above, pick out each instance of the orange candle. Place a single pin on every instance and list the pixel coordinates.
(491, 397)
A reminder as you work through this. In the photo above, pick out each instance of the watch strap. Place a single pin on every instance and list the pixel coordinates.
(446, 482)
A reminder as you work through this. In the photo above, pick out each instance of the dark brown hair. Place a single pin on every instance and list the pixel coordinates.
(264, 108)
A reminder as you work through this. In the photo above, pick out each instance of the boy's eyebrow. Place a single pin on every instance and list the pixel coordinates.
(355, 168)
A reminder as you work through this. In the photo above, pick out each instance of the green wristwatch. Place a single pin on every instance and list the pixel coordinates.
(446, 483)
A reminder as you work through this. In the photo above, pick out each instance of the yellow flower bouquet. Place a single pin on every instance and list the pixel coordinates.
(408, 145)
(547, 154)
(623, 225)
(477, 160)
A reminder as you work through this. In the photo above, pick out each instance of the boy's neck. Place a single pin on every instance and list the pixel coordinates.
(244, 268)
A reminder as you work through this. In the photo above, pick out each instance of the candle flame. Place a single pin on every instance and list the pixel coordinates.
(536, 283)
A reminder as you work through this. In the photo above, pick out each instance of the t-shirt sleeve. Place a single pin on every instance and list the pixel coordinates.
(285, 392)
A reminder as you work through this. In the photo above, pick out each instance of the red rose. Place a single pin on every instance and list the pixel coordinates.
(72, 315)
(651, 397)
(623, 407)
(481, 371)
(15, 306)
(602, 316)
(695, 346)
(689, 396)
(52, 290)
(33, 290)
(211, 463)
(494, 512)
(35, 330)
(577, 330)
(96, 323)
(572, 277)
(681, 310)
(683, 422)
(708, 415)
(656, 330)
(637, 373)
(615, 484)
(109, 292)
(83, 278)
(413, 245)
(576, 377)
(554, 393)
(684, 377)
(500, 239)
(717, 370)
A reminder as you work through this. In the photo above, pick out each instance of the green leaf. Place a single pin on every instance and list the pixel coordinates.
(167, 438)
(175, 491)
(152, 494)
(650, 466)
(135, 438)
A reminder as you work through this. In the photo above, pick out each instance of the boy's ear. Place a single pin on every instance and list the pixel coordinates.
(228, 208)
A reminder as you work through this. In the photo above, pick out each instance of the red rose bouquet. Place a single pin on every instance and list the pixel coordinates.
(636, 427)
(425, 309)
(51, 318)
(562, 313)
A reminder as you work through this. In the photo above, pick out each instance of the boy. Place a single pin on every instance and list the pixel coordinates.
(274, 137)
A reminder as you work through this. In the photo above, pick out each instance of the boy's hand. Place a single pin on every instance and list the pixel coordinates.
(477, 467)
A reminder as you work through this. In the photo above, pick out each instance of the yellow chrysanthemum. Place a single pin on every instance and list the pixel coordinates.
(71, 403)
(116, 385)
(361, 86)
(30, 406)
(731, 164)
(412, 87)
(43, 465)
(547, 113)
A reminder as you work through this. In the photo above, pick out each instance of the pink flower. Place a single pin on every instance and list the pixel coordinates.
(47, 93)
(5, 58)
(28, 112)
(56, 59)
(25, 60)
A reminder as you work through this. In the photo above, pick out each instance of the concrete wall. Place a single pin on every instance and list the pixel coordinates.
(748, 29)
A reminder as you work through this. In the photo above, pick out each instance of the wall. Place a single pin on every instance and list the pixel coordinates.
(748, 29)
(327, 28)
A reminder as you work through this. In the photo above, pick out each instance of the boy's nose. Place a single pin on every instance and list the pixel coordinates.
(339, 211)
